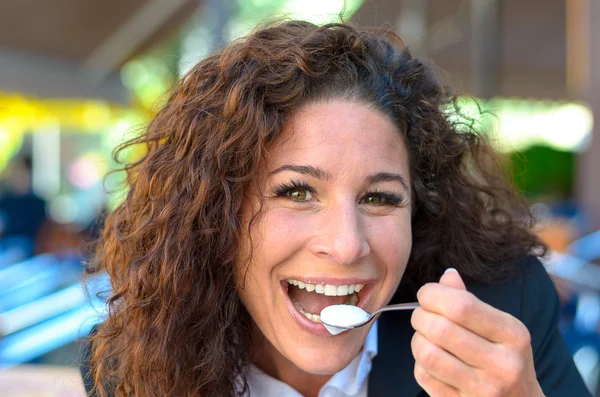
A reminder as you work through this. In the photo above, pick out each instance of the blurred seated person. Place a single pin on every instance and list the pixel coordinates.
(23, 213)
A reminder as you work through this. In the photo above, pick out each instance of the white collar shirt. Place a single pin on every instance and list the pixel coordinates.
(352, 381)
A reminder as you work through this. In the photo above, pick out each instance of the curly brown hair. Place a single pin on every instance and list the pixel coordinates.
(176, 324)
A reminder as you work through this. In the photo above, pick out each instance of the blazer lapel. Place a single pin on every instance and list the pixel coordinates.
(392, 371)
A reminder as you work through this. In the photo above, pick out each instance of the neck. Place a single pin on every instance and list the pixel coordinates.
(273, 363)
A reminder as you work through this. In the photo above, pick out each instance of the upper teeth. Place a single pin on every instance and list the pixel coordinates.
(328, 289)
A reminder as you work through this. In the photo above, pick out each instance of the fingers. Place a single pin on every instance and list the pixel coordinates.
(441, 365)
(460, 342)
(463, 346)
(463, 308)
(451, 278)
(433, 386)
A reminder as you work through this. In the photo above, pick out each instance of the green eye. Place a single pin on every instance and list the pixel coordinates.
(374, 199)
(298, 194)
(297, 191)
(381, 199)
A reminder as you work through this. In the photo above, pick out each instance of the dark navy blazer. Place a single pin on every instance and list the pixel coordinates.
(529, 296)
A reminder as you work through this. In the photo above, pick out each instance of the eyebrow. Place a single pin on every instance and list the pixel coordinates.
(304, 169)
(319, 173)
(387, 177)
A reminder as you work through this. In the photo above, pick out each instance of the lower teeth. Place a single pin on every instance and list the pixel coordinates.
(315, 318)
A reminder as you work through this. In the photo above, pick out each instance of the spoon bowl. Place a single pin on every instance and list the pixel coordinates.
(340, 318)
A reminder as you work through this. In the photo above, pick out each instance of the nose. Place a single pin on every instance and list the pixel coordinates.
(341, 235)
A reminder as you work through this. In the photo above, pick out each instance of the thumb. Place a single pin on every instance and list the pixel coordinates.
(451, 278)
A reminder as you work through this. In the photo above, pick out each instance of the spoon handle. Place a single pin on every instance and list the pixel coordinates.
(400, 306)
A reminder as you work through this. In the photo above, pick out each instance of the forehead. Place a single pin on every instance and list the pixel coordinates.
(335, 133)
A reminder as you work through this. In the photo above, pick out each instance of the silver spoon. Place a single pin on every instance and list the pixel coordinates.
(340, 318)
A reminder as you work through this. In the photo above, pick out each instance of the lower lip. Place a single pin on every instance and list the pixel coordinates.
(316, 329)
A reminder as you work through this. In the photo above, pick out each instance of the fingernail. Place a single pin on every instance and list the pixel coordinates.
(450, 269)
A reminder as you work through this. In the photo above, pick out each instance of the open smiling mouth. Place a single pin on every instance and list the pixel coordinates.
(311, 298)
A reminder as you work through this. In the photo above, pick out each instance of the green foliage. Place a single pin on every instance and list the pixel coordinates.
(541, 171)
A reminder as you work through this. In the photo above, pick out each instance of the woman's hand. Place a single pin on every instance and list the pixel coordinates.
(465, 347)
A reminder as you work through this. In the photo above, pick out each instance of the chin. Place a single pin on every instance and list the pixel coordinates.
(325, 356)
(327, 360)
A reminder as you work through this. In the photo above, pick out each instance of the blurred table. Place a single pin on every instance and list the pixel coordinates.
(41, 381)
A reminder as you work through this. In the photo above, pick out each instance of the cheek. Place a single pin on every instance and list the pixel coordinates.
(391, 242)
(281, 234)
(276, 237)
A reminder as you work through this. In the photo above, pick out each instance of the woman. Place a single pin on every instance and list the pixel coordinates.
(306, 166)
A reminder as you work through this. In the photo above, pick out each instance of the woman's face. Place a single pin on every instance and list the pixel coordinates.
(336, 218)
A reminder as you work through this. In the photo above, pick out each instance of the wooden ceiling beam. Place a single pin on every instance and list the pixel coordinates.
(125, 39)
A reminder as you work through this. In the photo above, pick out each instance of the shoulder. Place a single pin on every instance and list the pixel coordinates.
(528, 288)
(530, 296)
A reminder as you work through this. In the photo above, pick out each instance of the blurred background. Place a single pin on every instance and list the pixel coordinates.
(77, 77)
